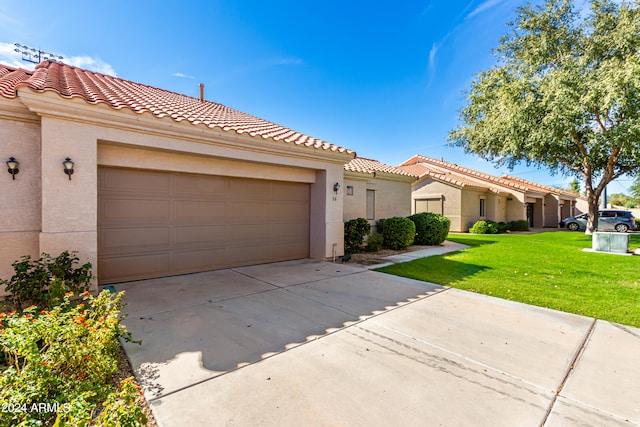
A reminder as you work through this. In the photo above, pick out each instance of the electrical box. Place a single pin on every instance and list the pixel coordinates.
(610, 242)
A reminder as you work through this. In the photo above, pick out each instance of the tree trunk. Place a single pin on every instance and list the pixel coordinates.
(592, 222)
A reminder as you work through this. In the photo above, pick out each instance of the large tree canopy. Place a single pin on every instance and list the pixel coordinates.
(565, 94)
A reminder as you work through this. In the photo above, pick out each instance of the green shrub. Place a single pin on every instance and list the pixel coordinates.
(355, 231)
(375, 242)
(503, 227)
(431, 229)
(484, 227)
(638, 223)
(520, 225)
(380, 225)
(398, 233)
(43, 281)
(64, 359)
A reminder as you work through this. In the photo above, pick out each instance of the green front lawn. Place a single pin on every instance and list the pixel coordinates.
(547, 269)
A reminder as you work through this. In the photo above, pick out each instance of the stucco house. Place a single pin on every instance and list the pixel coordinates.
(465, 195)
(162, 183)
(375, 190)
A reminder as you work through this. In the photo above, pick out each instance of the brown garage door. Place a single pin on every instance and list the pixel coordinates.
(154, 224)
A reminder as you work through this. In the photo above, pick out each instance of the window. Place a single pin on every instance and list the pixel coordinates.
(482, 207)
(349, 190)
(371, 204)
(429, 205)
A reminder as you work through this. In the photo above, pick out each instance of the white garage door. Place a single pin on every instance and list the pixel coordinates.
(154, 224)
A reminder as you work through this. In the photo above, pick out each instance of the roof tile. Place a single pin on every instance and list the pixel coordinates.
(364, 165)
(96, 88)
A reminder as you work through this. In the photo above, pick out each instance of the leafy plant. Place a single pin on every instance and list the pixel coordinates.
(431, 229)
(484, 227)
(398, 233)
(63, 360)
(519, 225)
(45, 281)
(375, 242)
(355, 231)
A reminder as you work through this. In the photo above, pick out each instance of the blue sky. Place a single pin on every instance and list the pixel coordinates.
(385, 79)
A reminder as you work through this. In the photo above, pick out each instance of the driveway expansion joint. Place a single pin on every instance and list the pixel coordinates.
(572, 367)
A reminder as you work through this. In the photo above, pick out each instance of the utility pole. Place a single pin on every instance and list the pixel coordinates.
(35, 56)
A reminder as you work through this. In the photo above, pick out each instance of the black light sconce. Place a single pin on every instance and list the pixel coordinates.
(13, 165)
(68, 167)
(336, 187)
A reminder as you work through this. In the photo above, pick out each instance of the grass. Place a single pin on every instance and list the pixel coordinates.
(546, 269)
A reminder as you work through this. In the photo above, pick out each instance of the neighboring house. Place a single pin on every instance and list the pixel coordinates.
(374, 190)
(465, 195)
(163, 183)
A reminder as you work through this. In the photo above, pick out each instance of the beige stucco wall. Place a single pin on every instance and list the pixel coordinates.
(20, 198)
(392, 196)
(427, 188)
(50, 213)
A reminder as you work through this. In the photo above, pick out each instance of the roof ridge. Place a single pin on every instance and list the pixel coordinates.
(94, 88)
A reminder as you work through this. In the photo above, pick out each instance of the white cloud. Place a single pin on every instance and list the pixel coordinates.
(486, 5)
(90, 63)
(183, 76)
(14, 59)
(432, 57)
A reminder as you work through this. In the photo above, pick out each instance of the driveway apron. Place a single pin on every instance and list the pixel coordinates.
(325, 344)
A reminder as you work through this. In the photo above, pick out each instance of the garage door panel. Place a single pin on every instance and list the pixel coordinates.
(198, 260)
(249, 232)
(289, 231)
(113, 210)
(247, 189)
(198, 235)
(209, 212)
(135, 181)
(290, 191)
(185, 185)
(287, 211)
(249, 212)
(154, 224)
(133, 267)
(134, 239)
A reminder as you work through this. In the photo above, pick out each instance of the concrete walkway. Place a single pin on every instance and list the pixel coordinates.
(323, 344)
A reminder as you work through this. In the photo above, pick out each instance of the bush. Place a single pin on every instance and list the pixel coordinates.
(355, 231)
(375, 242)
(484, 227)
(398, 233)
(64, 359)
(380, 225)
(43, 281)
(431, 229)
(638, 223)
(520, 225)
(503, 227)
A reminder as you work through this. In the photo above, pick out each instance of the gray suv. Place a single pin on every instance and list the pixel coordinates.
(608, 220)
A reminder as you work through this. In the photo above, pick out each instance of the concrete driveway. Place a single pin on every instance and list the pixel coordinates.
(323, 344)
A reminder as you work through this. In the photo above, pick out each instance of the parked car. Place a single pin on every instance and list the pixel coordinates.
(608, 220)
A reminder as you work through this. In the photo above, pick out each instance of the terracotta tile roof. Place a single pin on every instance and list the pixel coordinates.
(457, 179)
(95, 88)
(441, 165)
(364, 165)
(542, 187)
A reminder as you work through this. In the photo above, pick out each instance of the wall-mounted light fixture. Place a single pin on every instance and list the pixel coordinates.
(336, 187)
(68, 167)
(13, 165)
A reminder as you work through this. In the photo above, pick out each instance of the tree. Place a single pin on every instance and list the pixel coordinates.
(619, 199)
(574, 186)
(635, 191)
(565, 94)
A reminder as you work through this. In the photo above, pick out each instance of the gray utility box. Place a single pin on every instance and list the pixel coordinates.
(610, 242)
